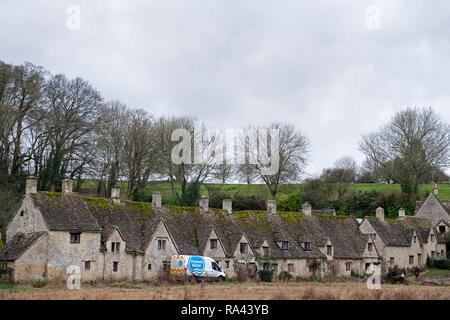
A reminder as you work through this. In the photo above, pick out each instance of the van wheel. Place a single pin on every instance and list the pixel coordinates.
(221, 279)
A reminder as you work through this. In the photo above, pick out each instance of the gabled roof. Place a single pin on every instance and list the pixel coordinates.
(393, 233)
(17, 246)
(433, 209)
(65, 212)
(421, 225)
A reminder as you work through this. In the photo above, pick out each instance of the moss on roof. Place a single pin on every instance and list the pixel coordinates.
(101, 205)
(53, 194)
(179, 211)
(291, 217)
(138, 207)
(329, 217)
(257, 221)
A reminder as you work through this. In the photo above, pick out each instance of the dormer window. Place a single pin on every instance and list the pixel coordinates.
(213, 243)
(374, 236)
(432, 238)
(284, 245)
(442, 229)
(307, 246)
(415, 239)
(115, 246)
(244, 247)
(329, 250)
(21, 213)
(161, 244)
(265, 251)
(370, 247)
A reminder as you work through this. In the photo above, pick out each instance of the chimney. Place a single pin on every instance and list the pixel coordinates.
(306, 209)
(67, 186)
(380, 213)
(31, 185)
(115, 195)
(435, 190)
(401, 213)
(204, 203)
(272, 206)
(227, 205)
(157, 199)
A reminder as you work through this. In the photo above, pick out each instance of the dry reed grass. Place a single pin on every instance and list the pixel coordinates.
(235, 291)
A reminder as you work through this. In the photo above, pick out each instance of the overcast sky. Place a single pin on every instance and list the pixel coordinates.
(232, 63)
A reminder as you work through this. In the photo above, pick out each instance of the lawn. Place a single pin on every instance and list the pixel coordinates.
(230, 291)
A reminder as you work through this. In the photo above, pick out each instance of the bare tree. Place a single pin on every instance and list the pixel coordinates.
(414, 141)
(293, 152)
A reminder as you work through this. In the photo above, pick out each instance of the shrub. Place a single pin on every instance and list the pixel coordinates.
(1, 243)
(39, 283)
(442, 263)
(241, 203)
(285, 276)
(291, 202)
(265, 275)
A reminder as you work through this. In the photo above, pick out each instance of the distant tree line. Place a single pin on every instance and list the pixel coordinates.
(54, 128)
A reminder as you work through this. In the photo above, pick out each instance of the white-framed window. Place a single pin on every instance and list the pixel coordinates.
(161, 244)
(115, 246)
(348, 266)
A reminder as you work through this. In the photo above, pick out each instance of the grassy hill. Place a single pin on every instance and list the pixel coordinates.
(261, 190)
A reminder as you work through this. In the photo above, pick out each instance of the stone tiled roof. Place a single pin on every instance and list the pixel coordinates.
(433, 209)
(66, 212)
(14, 248)
(421, 225)
(393, 233)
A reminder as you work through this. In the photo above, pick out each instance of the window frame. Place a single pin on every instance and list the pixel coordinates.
(87, 265)
(285, 245)
(213, 244)
(115, 266)
(329, 250)
(307, 246)
(290, 267)
(243, 245)
(75, 237)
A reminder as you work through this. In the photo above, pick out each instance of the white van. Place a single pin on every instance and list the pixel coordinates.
(197, 268)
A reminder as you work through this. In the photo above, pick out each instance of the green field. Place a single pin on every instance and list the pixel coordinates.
(261, 190)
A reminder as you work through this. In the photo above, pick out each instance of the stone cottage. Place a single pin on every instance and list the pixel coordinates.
(113, 239)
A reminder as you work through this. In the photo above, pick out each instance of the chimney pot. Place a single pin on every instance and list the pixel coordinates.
(157, 199)
(380, 213)
(435, 190)
(306, 209)
(31, 185)
(401, 213)
(67, 185)
(115, 195)
(227, 205)
(204, 203)
(272, 206)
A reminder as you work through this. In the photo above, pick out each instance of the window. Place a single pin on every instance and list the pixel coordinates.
(21, 213)
(290, 267)
(213, 243)
(265, 251)
(227, 264)
(244, 247)
(374, 236)
(115, 246)
(438, 254)
(329, 250)
(3, 265)
(307, 246)
(415, 239)
(370, 247)
(75, 238)
(161, 244)
(149, 267)
(432, 238)
(433, 254)
(442, 229)
(285, 245)
(311, 269)
(348, 266)
(87, 265)
(115, 266)
(391, 261)
(411, 259)
(215, 266)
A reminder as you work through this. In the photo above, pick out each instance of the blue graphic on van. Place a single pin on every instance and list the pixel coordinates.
(196, 265)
